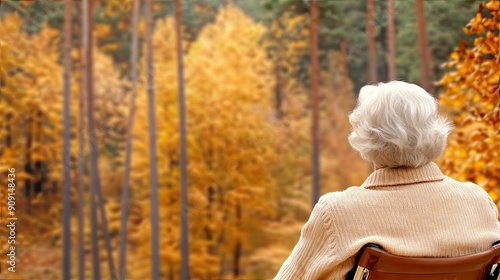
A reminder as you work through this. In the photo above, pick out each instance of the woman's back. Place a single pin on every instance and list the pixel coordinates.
(419, 212)
(406, 205)
(408, 211)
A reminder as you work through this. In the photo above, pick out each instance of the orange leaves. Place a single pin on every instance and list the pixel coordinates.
(454, 56)
(493, 6)
(481, 61)
(472, 92)
(485, 19)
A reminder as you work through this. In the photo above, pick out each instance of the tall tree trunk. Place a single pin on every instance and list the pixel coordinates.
(81, 157)
(370, 34)
(86, 54)
(96, 197)
(182, 144)
(80, 164)
(128, 149)
(315, 103)
(422, 46)
(155, 255)
(66, 211)
(94, 159)
(391, 40)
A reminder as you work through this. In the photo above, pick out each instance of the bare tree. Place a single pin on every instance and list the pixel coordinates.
(370, 33)
(422, 46)
(315, 102)
(128, 149)
(66, 144)
(155, 255)
(391, 40)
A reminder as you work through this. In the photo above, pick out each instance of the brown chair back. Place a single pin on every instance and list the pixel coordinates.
(376, 264)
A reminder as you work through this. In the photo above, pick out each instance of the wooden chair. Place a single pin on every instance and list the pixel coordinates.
(376, 264)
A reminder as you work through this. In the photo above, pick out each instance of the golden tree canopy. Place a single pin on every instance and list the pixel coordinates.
(472, 94)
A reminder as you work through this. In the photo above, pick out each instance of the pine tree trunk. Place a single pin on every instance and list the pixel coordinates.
(370, 34)
(66, 262)
(94, 154)
(182, 144)
(86, 32)
(81, 158)
(155, 255)
(128, 149)
(422, 46)
(391, 40)
(96, 197)
(315, 103)
(80, 166)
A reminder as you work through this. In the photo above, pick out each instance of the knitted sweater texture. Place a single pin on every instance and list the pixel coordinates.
(415, 212)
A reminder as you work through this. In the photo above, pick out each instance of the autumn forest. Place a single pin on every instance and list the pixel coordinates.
(190, 139)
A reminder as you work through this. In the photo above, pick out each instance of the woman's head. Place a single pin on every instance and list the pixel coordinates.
(396, 124)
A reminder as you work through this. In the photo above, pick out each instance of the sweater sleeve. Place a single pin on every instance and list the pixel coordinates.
(313, 253)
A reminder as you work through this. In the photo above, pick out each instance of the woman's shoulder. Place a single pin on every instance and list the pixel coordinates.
(468, 189)
(347, 197)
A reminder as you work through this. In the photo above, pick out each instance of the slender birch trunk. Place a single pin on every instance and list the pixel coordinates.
(96, 264)
(155, 254)
(182, 144)
(128, 149)
(96, 197)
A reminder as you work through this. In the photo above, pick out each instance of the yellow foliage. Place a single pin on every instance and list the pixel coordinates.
(31, 79)
(472, 95)
(289, 41)
(230, 145)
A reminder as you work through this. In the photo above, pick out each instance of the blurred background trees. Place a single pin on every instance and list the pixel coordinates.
(248, 120)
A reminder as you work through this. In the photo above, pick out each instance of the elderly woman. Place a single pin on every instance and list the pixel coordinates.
(406, 205)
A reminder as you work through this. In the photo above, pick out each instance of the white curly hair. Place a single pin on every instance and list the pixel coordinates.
(396, 124)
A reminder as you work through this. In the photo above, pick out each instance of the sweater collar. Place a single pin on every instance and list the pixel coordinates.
(404, 176)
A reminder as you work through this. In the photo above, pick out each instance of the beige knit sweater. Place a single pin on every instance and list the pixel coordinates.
(408, 211)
